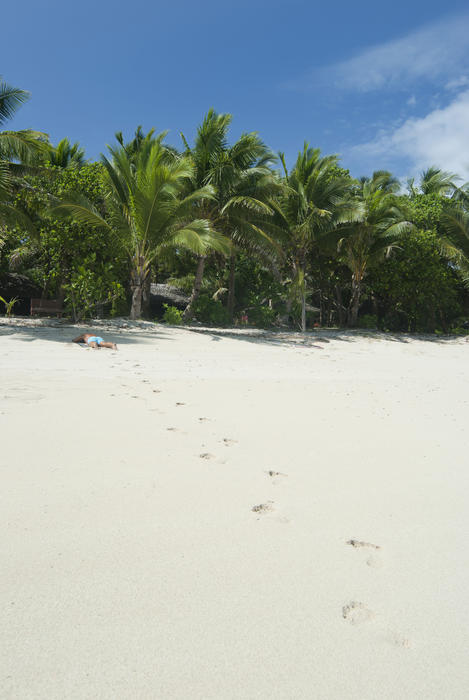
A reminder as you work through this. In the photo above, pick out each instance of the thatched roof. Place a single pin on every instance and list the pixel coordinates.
(166, 294)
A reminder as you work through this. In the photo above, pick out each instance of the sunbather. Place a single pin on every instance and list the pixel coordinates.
(94, 341)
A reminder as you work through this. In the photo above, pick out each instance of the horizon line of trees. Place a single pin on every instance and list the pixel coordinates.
(231, 225)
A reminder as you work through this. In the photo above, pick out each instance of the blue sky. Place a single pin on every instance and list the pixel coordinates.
(384, 85)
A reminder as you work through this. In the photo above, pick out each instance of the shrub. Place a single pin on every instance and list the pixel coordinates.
(9, 305)
(396, 321)
(367, 321)
(416, 288)
(172, 315)
(210, 311)
(262, 316)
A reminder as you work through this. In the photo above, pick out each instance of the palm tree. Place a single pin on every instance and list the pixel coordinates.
(146, 209)
(434, 181)
(66, 155)
(305, 211)
(375, 223)
(17, 148)
(455, 243)
(242, 183)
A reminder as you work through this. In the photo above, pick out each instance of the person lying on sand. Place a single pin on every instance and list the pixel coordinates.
(94, 341)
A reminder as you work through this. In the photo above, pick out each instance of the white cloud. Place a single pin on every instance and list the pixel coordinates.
(440, 138)
(456, 83)
(435, 51)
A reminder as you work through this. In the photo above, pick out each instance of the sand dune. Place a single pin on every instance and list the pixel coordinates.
(233, 516)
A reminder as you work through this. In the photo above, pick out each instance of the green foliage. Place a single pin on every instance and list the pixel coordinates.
(259, 295)
(376, 221)
(172, 315)
(418, 290)
(17, 150)
(242, 183)
(9, 305)
(211, 312)
(146, 208)
(367, 321)
(262, 316)
(11, 99)
(184, 283)
(89, 289)
(66, 155)
(459, 330)
(304, 244)
(425, 210)
(67, 257)
(313, 194)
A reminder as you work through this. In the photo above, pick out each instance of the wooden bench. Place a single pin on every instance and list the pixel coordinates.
(46, 306)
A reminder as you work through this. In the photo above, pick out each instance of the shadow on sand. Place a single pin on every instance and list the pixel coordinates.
(316, 339)
(66, 333)
(140, 333)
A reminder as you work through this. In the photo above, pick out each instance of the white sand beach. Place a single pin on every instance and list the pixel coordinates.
(211, 516)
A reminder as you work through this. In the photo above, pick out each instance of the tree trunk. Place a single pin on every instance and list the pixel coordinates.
(231, 287)
(146, 296)
(285, 319)
(303, 298)
(188, 311)
(303, 309)
(354, 303)
(340, 305)
(136, 306)
(138, 276)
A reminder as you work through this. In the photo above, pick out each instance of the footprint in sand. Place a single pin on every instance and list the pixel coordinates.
(228, 442)
(360, 543)
(357, 613)
(399, 640)
(276, 477)
(373, 560)
(206, 455)
(180, 403)
(157, 391)
(263, 508)
(268, 511)
(203, 419)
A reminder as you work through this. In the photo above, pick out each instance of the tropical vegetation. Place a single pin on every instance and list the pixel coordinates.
(242, 236)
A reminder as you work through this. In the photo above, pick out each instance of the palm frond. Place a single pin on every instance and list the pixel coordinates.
(79, 208)
(11, 99)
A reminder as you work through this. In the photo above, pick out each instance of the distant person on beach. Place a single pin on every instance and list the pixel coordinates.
(94, 341)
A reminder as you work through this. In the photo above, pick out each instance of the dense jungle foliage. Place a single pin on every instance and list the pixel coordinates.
(245, 238)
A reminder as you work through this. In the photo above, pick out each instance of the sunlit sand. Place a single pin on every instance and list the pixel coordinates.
(213, 516)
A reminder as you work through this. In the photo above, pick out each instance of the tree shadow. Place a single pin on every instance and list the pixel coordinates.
(64, 334)
(317, 338)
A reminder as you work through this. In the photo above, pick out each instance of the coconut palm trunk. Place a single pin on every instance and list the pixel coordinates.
(138, 276)
(303, 311)
(231, 287)
(199, 274)
(303, 297)
(354, 301)
(146, 297)
(340, 305)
